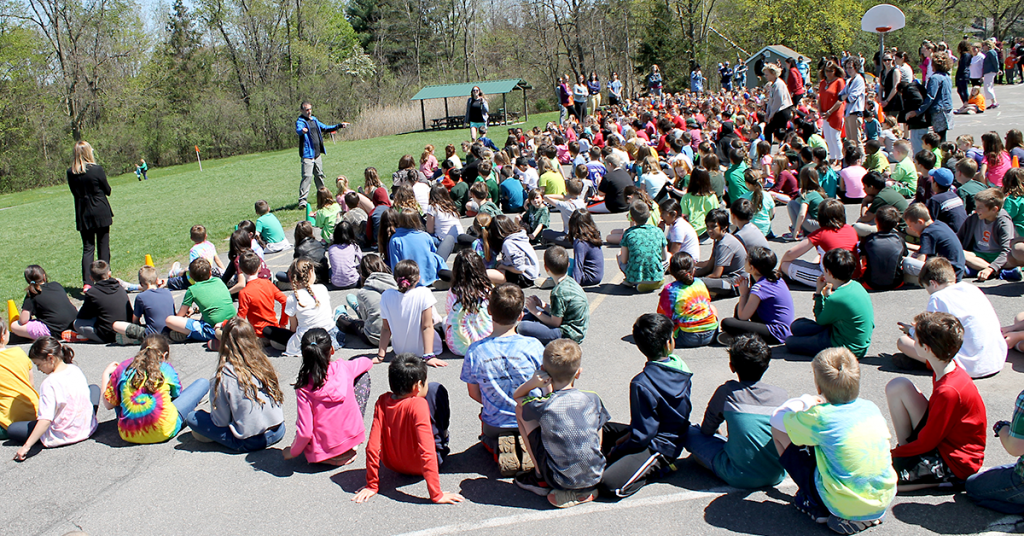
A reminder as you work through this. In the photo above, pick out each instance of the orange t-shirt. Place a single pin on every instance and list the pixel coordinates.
(977, 100)
(256, 304)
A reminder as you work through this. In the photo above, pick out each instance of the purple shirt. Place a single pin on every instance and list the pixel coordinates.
(776, 307)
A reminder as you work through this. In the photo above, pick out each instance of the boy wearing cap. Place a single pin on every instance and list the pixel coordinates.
(945, 205)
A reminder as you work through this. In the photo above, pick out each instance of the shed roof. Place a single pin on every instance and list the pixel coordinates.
(779, 50)
(492, 87)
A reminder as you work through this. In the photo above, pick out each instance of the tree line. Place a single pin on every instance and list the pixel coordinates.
(228, 75)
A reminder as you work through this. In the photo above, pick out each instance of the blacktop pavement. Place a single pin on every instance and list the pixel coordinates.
(105, 486)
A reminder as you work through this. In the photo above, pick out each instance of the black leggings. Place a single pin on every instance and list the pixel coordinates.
(93, 240)
(278, 335)
(777, 127)
(735, 327)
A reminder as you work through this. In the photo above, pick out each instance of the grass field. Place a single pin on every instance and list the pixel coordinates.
(154, 216)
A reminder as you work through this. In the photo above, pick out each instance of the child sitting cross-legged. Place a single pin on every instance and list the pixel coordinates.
(983, 349)
(210, 297)
(766, 308)
(940, 441)
(493, 368)
(687, 302)
(725, 267)
(568, 314)
(659, 413)
(563, 429)
(746, 457)
(46, 311)
(936, 239)
(643, 251)
(409, 434)
(987, 237)
(105, 303)
(835, 446)
(153, 304)
(19, 400)
(882, 253)
(843, 314)
(256, 302)
(833, 233)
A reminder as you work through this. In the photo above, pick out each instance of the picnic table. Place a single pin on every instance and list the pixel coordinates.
(448, 122)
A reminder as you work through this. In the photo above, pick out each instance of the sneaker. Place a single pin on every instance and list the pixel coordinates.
(70, 335)
(124, 340)
(353, 303)
(200, 437)
(529, 481)
(174, 336)
(1013, 274)
(213, 345)
(338, 312)
(788, 237)
(994, 106)
(508, 461)
(525, 461)
(175, 268)
(846, 526)
(725, 339)
(565, 498)
(544, 284)
(815, 512)
(85, 288)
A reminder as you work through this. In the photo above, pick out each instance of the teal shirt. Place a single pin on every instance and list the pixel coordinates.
(1014, 206)
(734, 181)
(646, 245)
(763, 217)
(812, 199)
(749, 459)
(269, 227)
(850, 316)
(569, 302)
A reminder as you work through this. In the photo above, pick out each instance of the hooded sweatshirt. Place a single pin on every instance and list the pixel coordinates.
(329, 421)
(107, 302)
(659, 405)
(244, 416)
(368, 298)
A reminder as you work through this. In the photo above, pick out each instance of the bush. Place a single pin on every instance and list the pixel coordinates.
(542, 105)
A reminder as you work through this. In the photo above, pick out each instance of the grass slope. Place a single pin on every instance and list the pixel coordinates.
(154, 217)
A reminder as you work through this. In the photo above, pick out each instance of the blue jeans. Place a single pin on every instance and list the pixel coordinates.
(190, 396)
(532, 327)
(201, 423)
(685, 339)
(808, 338)
(998, 488)
(704, 448)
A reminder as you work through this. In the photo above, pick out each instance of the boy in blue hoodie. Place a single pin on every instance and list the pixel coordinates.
(659, 405)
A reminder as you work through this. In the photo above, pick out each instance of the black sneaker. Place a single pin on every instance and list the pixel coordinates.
(846, 526)
(529, 481)
(815, 512)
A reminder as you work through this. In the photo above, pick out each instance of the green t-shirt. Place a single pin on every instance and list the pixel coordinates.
(812, 199)
(460, 195)
(763, 217)
(967, 191)
(850, 316)
(905, 177)
(876, 162)
(269, 227)
(695, 208)
(887, 197)
(326, 219)
(815, 141)
(938, 158)
(489, 208)
(1014, 206)
(552, 183)
(855, 477)
(213, 299)
(734, 181)
(569, 302)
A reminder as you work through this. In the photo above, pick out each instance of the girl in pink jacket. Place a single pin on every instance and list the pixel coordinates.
(331, 401)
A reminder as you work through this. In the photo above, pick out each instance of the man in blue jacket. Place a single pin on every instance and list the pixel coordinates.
(311, 148)
(659, 404)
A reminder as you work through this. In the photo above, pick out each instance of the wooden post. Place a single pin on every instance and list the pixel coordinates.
(446, 114)
(423, 115)
(526, 107)
(504, 105)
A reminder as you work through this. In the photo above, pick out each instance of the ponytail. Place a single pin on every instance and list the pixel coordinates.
(407, 275)
(299, 275)
(681, 266)
(47, 346)
(146, 365)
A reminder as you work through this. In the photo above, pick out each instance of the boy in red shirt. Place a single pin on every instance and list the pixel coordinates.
(256, 302)
(409, 434)
(941, 441)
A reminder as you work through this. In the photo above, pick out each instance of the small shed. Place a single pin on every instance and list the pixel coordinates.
(774, 53)
(489, 88)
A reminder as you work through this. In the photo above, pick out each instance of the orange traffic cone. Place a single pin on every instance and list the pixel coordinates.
(12, 312)
(149, 260)
(1015, 162)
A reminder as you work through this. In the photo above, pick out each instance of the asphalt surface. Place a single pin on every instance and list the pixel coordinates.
(106, 486)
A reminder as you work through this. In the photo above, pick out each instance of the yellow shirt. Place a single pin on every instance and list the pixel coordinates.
(19, 400)
(552, 183)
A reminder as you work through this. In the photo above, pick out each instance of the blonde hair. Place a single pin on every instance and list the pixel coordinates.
(299, 274)
(83, 158)
(562, 359)
(428, 151)
(837, 375)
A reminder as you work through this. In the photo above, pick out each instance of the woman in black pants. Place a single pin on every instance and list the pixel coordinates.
(93, 217)
(779, 106)
(765, 308)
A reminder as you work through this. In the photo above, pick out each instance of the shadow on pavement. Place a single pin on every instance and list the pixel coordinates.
(1016, 360)
(929, 516)
(612, 289)
(737, 512)
(1007, 291)
(487, 490)
(271, 461)
(884, 363)
(107, 434)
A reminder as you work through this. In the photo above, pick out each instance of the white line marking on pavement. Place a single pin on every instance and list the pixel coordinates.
(591, 508)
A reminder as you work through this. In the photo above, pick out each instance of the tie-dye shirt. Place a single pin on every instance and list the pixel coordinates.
(689, 307)
(855, 477)
(144, 417)
(461, 327)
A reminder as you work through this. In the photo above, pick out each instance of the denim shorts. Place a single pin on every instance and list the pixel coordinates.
(200, 331)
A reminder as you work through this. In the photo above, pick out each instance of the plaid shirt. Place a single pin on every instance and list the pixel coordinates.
(1017, 429)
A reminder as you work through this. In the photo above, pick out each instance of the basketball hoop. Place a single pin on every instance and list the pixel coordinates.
(881, 20)
(883, 29)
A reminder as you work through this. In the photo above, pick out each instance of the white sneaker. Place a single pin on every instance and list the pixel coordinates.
(175, 268)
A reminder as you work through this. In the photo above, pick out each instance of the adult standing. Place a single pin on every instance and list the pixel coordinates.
(93, 216)
(615, 90)
(725, 73)
(476, 111)
(891, 78)
(759, 68)
(564, 100)
(697, 81)
(311, 148)
(989, 70)
(654, 83)
(739, 75)
(938, 97)
(579, 96)
(805, 69)
(855, 95)
(963, 70)
(834, 107)
(794, 81)
(779, 107)
(594, 90)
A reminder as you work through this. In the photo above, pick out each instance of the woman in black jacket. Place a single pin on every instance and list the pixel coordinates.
(93, 217)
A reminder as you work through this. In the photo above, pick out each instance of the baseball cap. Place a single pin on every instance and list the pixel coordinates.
(942, 176)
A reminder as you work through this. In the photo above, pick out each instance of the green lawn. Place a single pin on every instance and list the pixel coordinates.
(154, 217)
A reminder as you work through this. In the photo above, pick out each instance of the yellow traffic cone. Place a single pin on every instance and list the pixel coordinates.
(12, 312)
(149, 260)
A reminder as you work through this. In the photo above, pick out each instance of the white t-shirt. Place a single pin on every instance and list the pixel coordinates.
(977, 66)
(64, 400)
(308, 315)
(444, 223)
(456, 162)
(529, 177)
(422, 192)
(566, 207)
(403, 313)
(984, 350)
(681, 231)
